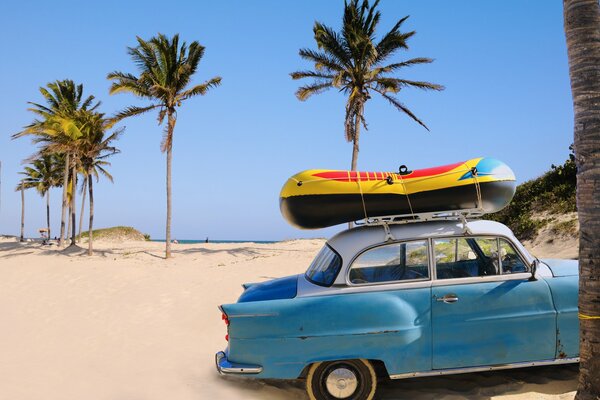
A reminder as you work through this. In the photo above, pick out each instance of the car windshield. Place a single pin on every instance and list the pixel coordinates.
(325, 267)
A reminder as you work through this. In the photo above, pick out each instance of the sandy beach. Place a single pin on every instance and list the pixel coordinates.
(127, 325)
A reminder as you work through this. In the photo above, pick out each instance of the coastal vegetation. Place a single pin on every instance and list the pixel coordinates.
(549, 195)
(353, 62)
(117, 233)
(165, 71)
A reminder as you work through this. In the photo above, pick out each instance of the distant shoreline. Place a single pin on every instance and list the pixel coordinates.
(191, 241)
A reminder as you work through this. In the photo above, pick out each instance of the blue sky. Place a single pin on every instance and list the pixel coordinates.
(503, 63)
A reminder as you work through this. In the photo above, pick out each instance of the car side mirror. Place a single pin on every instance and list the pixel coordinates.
(533, 269)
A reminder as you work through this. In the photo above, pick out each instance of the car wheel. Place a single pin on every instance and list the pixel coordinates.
(348, 379)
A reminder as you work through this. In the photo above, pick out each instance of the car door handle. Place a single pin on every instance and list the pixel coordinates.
(449, 298)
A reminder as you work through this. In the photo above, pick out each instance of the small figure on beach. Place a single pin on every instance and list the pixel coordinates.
(175, 241)
(206, 241)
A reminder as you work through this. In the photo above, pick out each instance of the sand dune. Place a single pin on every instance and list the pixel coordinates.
(127, 325)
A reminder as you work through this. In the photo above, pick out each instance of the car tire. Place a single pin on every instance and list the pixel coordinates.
(345, 379)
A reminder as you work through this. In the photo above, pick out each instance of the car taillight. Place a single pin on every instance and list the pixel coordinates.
(226, 320)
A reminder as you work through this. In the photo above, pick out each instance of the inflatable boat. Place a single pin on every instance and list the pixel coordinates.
(320, 198)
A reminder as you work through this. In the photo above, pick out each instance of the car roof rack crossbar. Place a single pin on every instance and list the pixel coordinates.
(451, 215)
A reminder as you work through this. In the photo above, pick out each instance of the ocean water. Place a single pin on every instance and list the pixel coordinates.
(189, 241)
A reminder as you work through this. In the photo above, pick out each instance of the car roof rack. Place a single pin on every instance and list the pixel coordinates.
(451, 215)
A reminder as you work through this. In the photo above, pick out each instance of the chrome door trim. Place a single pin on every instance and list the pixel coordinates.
(522, 276)
(452, 371)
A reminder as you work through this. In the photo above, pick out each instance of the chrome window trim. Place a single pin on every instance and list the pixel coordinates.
(475, 279)
(523, 276)
(349, 267)
(340, 289)
(453, 371)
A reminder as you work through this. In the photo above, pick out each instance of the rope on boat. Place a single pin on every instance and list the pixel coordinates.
(362, 198)
(475, 175)
(407, 196)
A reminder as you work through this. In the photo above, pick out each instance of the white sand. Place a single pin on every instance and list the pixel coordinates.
(127, 325)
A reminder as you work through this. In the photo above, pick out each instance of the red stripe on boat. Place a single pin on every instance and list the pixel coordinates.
(352, 176)
(419, 173)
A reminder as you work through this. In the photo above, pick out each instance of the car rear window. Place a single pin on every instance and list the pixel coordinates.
(325, 267)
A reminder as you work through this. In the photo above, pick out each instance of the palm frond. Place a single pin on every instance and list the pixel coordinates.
(396, 103)
(408, 63)
(311, 74)
(321, 60)
(132, 111)
(200, 89)
(304, 92)
(417, 84)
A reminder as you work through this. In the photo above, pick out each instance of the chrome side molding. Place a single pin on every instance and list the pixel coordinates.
(452, 371)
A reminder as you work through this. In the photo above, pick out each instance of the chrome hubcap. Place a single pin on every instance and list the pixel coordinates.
(341, 383)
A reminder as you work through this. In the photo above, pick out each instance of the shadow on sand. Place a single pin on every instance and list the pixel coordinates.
(551, 380)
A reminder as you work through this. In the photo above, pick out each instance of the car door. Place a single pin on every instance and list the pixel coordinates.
(483, 312)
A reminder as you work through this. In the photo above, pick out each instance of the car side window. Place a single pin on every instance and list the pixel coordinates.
(391, 263)
(510, 259)
(465, 257)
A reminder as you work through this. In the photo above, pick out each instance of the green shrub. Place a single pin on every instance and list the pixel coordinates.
(552, 193)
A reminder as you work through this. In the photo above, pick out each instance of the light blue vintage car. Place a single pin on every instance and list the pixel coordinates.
(402, 301)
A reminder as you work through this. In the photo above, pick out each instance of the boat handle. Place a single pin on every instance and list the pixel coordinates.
(449, 298)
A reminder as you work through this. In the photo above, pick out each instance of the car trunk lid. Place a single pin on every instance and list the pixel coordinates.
(276, 289)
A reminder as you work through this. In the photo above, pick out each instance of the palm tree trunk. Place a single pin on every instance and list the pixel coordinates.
(171, 122)
(357, 122)
(68, 223)
(91, 224)
(64, 201)
(48, 213)
(582, 30)
(73, 209)
(22, 211)
(85, 181)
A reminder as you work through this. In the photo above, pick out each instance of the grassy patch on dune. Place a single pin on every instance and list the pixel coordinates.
(117, 233)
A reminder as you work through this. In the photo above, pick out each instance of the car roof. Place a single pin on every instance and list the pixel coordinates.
(349, 242)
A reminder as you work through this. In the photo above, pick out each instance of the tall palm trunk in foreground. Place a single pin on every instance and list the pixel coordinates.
(582, 30)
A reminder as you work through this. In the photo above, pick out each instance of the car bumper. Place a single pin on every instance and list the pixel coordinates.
(225, 367)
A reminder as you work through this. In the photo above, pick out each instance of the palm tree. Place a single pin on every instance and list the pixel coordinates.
(93, 151)
(44, 174)
(352, 62)
(166, 68)
(63, 100)
(64, 135)
(582, 30)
